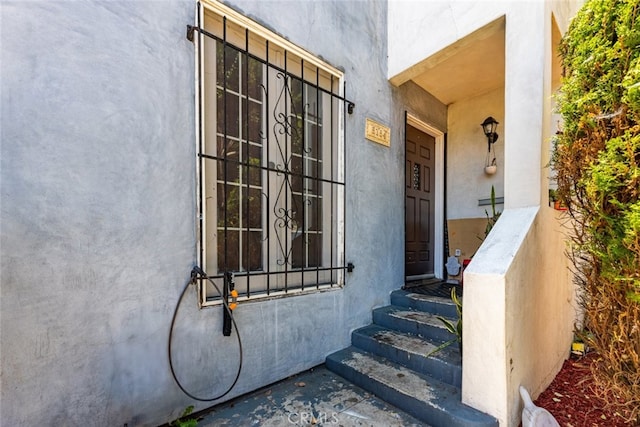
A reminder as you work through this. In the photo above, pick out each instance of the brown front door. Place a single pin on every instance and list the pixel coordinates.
(419, 203)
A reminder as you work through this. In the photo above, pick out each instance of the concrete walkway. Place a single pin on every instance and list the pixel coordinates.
(316, 397)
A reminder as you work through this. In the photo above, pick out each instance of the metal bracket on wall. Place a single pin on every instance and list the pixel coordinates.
(190, 30)
(487, 202)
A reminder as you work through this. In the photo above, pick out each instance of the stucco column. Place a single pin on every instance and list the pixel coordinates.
(488, 361)
(524, 102)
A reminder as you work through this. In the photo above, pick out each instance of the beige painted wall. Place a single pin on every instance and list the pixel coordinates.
(466, 234)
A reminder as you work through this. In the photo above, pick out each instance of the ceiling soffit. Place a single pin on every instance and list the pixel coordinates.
(469, 67)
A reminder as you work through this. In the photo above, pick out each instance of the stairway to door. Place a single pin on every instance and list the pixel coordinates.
(390, 358)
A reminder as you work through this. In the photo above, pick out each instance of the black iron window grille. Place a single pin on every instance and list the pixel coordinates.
(271, 164)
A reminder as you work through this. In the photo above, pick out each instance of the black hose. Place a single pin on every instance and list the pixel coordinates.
(197, 271)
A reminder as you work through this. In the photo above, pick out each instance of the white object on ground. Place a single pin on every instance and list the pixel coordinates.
(453, 266)
(534, 416)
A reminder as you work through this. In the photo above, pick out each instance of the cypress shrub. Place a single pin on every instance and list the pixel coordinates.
(597, 158)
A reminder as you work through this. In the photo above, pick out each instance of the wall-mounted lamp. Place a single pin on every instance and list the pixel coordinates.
(489, 127)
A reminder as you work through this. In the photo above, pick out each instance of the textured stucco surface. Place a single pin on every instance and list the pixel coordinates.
(518, 295)
(521, 279)
(98, 207)
(466, 143)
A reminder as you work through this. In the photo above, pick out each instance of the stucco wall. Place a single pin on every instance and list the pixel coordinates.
(467, 150)
(520, 297)
(98, 207)
(543, 309)
(563, 11)
(525, 48)
(421, 105)
(445, 21)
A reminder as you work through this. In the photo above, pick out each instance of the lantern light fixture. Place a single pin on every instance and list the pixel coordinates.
(489, 127)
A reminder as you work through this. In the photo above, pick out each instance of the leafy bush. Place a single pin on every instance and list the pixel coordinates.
(597, 158)
(184, 420)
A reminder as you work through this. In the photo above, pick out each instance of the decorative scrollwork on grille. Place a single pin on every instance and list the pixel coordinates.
(287, 127)
(286, 124)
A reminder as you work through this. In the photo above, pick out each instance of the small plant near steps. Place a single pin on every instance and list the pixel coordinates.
(455, 329)
(495, 215)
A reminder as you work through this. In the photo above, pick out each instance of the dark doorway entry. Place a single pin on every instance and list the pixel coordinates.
(419, 204)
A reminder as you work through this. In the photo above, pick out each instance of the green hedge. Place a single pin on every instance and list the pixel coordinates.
(597, 158)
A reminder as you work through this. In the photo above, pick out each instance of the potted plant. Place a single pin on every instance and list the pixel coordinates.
(492, 168)
(555, 201)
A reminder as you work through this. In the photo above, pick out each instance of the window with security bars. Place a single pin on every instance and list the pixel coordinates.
(270, 158)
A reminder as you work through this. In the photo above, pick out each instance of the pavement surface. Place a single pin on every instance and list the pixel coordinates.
(315, 398)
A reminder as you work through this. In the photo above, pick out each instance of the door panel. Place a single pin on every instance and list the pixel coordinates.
(419, 203)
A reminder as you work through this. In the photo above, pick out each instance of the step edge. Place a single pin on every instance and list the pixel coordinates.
(430, 341)
(456, 410)
(391, 309)
(422, 297)
(444, 365)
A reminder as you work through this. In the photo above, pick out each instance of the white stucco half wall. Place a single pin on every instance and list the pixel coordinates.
(486, 357)
(519, 311)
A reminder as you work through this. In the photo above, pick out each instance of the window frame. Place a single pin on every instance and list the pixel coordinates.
(337, 214)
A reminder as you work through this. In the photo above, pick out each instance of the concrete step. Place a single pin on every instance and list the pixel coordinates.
(432, 401)
(412, 321)
(432, 304)
(411, 351)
